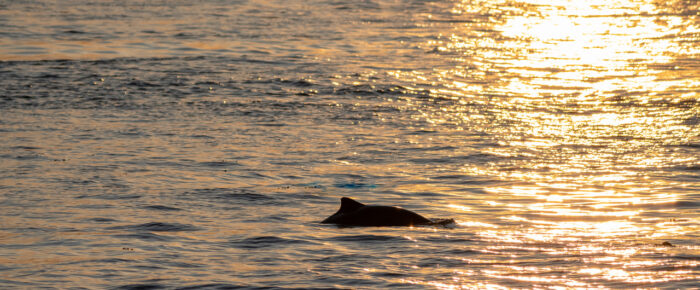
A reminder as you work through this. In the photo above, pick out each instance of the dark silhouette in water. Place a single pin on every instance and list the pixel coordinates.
(353, 213)
(667, 244)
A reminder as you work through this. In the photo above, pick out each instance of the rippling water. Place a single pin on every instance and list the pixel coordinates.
(199, 143)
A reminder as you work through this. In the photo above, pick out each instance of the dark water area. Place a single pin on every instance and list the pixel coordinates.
(181, 144)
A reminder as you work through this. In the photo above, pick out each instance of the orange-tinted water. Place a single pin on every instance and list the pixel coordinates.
(177, 143)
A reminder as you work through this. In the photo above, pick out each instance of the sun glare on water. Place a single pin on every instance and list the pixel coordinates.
(577, 82)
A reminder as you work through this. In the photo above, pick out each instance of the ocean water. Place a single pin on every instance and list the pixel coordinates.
(198, 144)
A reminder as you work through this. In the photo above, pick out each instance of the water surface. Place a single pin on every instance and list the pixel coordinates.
(172, 144)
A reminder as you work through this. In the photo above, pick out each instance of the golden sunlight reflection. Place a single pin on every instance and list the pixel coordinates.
(588, 97)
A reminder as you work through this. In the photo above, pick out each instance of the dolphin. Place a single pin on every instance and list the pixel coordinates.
(353, 213)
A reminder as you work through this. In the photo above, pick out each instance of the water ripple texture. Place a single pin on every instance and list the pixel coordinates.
(198, 144)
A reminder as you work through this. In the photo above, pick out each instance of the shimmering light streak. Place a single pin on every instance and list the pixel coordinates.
(581, 111)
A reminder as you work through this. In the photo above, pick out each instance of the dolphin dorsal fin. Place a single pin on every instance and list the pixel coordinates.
(348, 204)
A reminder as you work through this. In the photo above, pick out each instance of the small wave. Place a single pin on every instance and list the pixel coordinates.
(201, 136)
(430, 148)
(222, 163)
(162, 207)
(102, 220)
(25, 148)
(144, 237)
(303, 83)
(34, 156)
(73, 31)
(358, 90)
(355, 185)
(98, 261)
(142, 84)
(265, 242)
(455, 240)
(689, 145)
(109, 196)
(144, 286)
(452, 20)
(693, 167)
(368, 238)
(342, 258)
(234, 194)
(157, 227)
(462, 179)
(682, 204)
(479, 157)
(688, 257)
(234, 286)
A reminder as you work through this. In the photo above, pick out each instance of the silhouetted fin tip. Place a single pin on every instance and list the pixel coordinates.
(349, 204)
